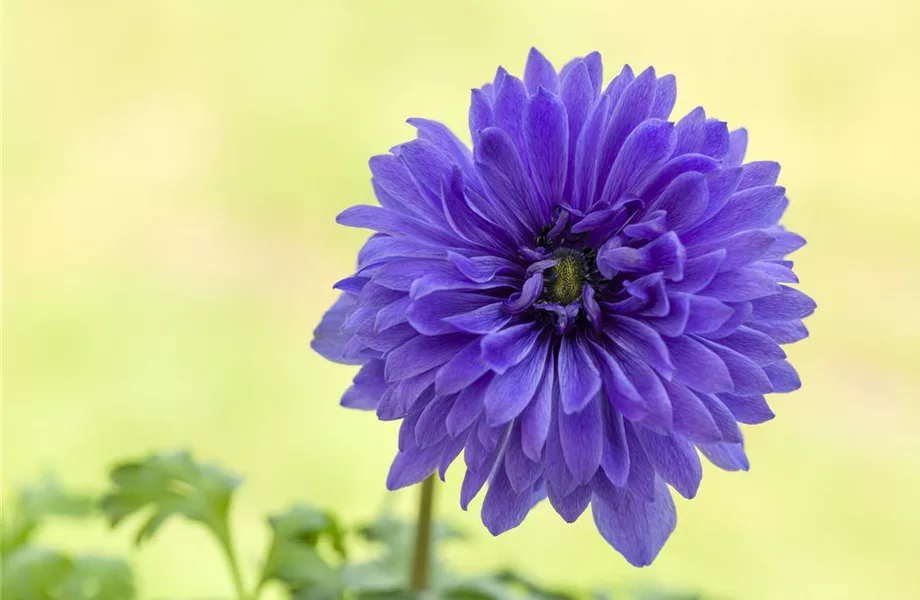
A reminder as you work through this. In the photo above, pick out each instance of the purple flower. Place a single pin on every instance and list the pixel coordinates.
(579, 304)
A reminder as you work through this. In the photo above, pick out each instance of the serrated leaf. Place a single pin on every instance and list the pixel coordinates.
(666, 595)
(306, 524)
(31, 573)
(167, 485)
(294, 557)
(47, 498)
(531, 588)
(98, 578)
(479, 589)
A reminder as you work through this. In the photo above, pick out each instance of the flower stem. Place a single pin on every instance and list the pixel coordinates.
(421, 557)
(226, 545)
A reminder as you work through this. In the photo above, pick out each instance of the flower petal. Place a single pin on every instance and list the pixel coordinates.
(546, 136)
(578, 377)
(637, 529)
(674, 459)
(581, 437)
(536, 419)
(508, 347)
(539, 72)
(503, 508)
(697, 366)
(511, 392)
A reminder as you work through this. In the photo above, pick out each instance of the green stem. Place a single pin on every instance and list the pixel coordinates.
(421, 557)
(226, 545)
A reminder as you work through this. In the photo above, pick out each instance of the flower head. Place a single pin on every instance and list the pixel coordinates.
(579, 305)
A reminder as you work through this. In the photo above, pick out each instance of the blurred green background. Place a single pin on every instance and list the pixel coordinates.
(171, 172)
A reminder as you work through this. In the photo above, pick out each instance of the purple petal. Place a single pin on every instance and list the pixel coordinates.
(738, 140)
(509, 109)
(742, 285)
(428, 314)
(539, 72)
(431, 426)
(665, 97)
(706, 314)
(577, 93)
(328, 338)
(782, 332)
(500, 167)
(511, 392)
(747, 209)
(522, 472)
(519, 302)
(758, 173)
(484, 320)
(571, 505)
(751, 410)
(790, 304)
(581, 437)
(422, 353)
(685, 200)
(444, 140)
(412, 466)
(640, 339)
(546, 136)
(646, 149)
(783, 377)
(723, 418)
(480, 114)
(472, 483)
(637, 529)
(748, 378)
(399, 190)
(697, 366)
(692, 419)
(620, 390)
(675, 322)
(641, 479)
(535, 421)
(465, 367)
(674, 459)
(628, 115)
(508, 347)
(699, 135)
(730, 457)
(615, 455)
(369, 386)
(757, 346)
(428, 167)
(579, 379)
(584, 176)
(481, 269)
(698, 272)
(467, 408)
(503, 508)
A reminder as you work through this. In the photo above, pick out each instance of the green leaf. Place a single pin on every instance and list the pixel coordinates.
(167, 485)
(32, 573)
(484, 588)
(98, 578)
(37, 502)
(294, 557)
(530, 588)
(49, 498)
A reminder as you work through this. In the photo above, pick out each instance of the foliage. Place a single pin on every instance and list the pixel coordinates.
(310, 554)
(32, 572)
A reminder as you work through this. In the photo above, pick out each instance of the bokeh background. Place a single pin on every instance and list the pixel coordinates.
(171, 174)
